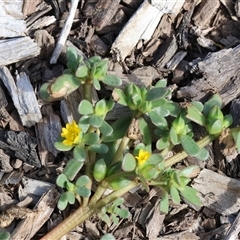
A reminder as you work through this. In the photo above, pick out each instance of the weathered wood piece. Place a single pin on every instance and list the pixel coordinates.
(218, 192)
(19, 145)
(142, 25)
(233, 231)
(41, 23)
(28, 227)
(207, 10)
(12, 22)
(4, 115)
(220, 73)
(23, 96)
(17, 49)
(33, 188)
(64, 33)
(47, 133)
(29, 6)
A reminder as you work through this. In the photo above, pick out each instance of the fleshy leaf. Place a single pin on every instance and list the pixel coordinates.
(145, 131)
(158, 120)
(161, 83)
(128, 162)
(96, 84)
(70, 197)
(164, 203)
(84, 123)
(189, 145)
(85, 107)
(173, 136)
(81, 72)
(99, 170)
(123, 213)
(79, 153)
(90, 138)
(61, 147)
(83, 180)
(95, 121)
(190, 194)
(99, 148)
(82, 191)
(106, 129)
(107, 236)
(174, 195)
(111, 80)
(203, 154)
(62, 202)
(215, 100)
(72, 168)
(62, 180)
(195, 115)
(149, 172)
(4, 235)
(156, 93)
(119, 96)
(101, 107)
(120, 127)
(162, 143)
(119, 183)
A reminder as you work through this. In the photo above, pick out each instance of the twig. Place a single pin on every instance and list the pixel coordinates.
(64, 33)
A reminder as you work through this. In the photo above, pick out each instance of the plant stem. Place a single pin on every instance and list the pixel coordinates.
(87, 91)
(122, 146)
(181, 155)
(81, 214)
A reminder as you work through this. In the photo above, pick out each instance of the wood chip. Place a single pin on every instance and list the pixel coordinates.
(17, 49)
(218, 192)
(12, 22)
(23, 96)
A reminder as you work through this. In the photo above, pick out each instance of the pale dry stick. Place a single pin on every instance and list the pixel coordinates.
(64, 33)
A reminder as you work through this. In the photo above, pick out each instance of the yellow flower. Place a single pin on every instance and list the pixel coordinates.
(71, 133)
(142, 157)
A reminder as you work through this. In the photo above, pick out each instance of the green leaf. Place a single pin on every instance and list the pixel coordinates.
(107, 236)
(84, 123)
(61, 147)
(99, 148)
(105, 218)
(236, 137)
(62, 180)
(79, 153)
(164, 203)
(161, 83)
(81, 72)
(96, 84)
(111, 80)
(162, 143)
(174, 195)
(99, 170)
(70, 197)
(190, 171)
(90, 138)
(149, 172)
(155, 159)
(214, 100)
(120, 127)
(128, 162)
(156, 93)
(118, 202)
(62, 202)
(158, 120)
(93, 60)
(85, 107)
(195, 115)
(6, 235)
(227, 121)
(71, 54)
(72, 168)
(101, 107)
(198, 105)
(119, 183)
(190, 194)
(95, 121)
(82, 191)
(63, 86)
(105, 129)
(119, 96)
(83, 180)
(203, 154)
(214, 127)
(145, 131)
(189, 145)
(123, 213)
(173, 136)
(173, 108)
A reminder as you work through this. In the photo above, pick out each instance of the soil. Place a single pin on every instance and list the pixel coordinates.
(178, 49)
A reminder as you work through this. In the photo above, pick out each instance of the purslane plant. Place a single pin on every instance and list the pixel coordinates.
(121, 156)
